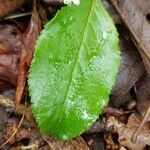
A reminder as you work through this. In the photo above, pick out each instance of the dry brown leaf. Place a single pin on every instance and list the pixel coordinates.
(143, 94)
(75, 144)
(9, 52)
(10, 44)
(27, 50)
(134, 13)
(131, 69)
(126, 132)
(142, 89)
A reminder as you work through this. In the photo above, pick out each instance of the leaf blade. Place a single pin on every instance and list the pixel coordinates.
(75, 75)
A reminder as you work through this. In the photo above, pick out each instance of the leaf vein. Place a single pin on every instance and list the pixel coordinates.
(80, 47)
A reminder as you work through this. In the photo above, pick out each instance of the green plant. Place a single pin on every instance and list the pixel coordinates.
(74, 68)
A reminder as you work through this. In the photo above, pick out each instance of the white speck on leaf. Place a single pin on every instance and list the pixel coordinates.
(76, 2)
(85, 115)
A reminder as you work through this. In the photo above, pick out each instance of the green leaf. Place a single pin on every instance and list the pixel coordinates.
(74, 68)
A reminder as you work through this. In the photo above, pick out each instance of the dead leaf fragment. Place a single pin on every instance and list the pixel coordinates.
(143, 94)
(75, 144)
(131, 66)
(27, 49)
(125, 133)
(133, 13)
(9, 52)
(131, 69)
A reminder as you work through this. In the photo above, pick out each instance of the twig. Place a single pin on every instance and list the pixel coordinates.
(6, 102)
(49, 144)
(14, 16)
(54, 2)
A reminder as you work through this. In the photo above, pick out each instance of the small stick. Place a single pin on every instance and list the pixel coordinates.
(6, 102)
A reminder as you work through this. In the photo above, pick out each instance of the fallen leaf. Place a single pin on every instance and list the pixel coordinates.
(142, 88)
(131, 69)
(27, 50)
(10, 44)
(134, 14)
(75, 144)
(143, 102)
(126, 132)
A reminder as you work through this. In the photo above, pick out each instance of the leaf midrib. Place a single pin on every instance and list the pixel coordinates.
(72, 72)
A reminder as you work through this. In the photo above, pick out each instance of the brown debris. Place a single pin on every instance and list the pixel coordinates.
(8, 6)
(95, 141)
(142, 88)
(110, 144)
(13, 133)
(131, 69)
(6, 102)
(126, 132)
(134, 15)
(53, 2)
(143, 122)
(75, 144)
(27, 50)
(9, 52)
(143, 102)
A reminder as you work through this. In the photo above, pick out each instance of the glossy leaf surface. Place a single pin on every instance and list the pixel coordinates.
(74, 68)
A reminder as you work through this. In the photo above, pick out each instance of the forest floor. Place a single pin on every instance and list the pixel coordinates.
(125, 122)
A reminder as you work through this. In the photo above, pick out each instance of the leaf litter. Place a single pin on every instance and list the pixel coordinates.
(132, 85)
(27, 50)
